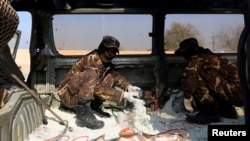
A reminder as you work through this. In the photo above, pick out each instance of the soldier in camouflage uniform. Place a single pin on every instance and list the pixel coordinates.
(211, 82)
(9, 21)
(91, 80)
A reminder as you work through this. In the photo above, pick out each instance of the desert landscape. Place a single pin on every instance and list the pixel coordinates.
(23, 61)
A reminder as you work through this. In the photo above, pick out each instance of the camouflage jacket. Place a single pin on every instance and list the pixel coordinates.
(89, 77)
(209, 76)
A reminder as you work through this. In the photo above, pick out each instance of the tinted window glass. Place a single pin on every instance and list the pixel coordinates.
(22, 57)
(79, 34)
(218, 32)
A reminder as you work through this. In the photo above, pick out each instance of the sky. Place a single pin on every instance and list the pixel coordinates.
(132, 34)
(208, 24)
(25, 27)
(131, 31)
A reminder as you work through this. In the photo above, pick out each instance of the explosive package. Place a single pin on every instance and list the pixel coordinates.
(141, 119)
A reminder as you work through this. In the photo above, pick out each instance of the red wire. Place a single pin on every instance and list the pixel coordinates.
(149, 96)
(60, 135)
(87, 138)
(178, 129)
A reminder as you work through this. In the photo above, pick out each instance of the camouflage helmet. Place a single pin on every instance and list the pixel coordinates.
(108, 42)
(190, 47)
(187, 46)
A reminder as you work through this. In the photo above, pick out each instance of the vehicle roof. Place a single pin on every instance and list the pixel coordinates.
(170, 5)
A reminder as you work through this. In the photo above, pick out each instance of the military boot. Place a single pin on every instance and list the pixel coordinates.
(162, 99)
(207, 114)
(64, 108)
(85, 117)
(227, 110)
(96, 107)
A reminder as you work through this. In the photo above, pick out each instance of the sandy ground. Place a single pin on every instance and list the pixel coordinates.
(169, 118)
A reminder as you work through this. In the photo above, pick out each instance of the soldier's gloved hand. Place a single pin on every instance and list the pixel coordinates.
(188, 104)
(135, 89)
(130, 96)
